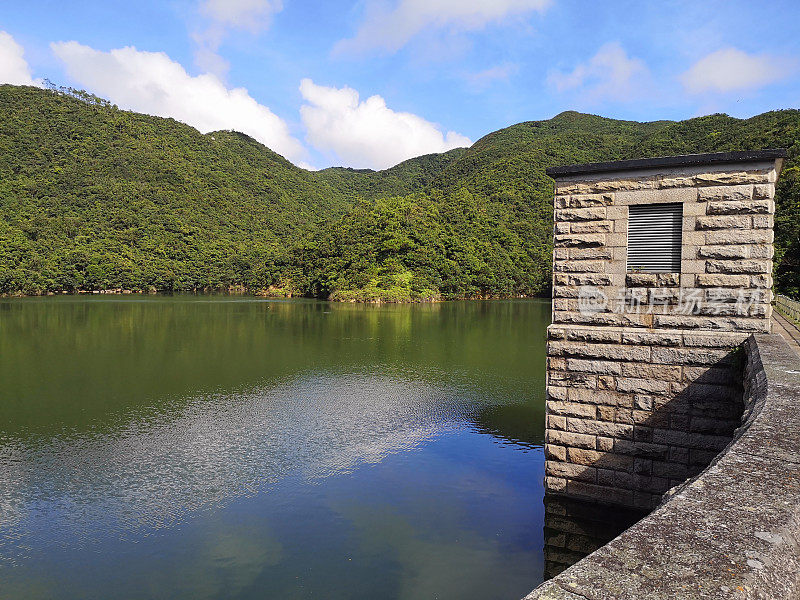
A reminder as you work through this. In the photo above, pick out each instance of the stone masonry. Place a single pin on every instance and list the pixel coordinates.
(644, 370)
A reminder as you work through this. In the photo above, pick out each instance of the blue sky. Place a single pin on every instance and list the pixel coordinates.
(369, 83)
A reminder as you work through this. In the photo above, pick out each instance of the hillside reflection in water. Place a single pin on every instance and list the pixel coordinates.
(222, 447)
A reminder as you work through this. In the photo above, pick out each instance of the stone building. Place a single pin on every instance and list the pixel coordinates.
(661, 269)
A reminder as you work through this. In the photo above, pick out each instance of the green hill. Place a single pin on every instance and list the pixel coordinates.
(93, 197)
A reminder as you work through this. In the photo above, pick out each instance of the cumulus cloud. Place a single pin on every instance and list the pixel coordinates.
(225, 15)
(14, 68)
(609, 75)
(150, 82)
(390, 29)
(730, 69)
(368, 133)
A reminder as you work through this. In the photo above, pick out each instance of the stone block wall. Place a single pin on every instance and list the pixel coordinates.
(644, 375)
(731, 532)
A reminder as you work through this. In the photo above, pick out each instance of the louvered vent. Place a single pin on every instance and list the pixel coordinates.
(654, 238)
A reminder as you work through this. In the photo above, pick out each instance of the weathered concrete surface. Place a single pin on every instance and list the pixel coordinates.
(786, 328)
(731, 532)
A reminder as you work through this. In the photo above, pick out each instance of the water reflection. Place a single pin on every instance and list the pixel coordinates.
(207, 451)
(520, 424)
(117, 356)
(201, 449)
(574, 529)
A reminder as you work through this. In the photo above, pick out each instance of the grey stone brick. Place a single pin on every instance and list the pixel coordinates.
(572, 409)
(593, 335)
(555, 484)
(738, 193)
(595, 213)
(607, 460)
(721, 281)
(587, 253)
(553, 452)
(601, 367)
(583, 239)
(724, 222)
(635, 385)
(739, 266)
(657, 372)
(576, 440)
(652, 339)
(764, 191)
(729, 251)
(592, 227)
(570, 471)
(735, 208)
(641, 449)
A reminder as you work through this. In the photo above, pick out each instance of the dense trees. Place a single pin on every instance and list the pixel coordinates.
(429, 245)
(93, 197)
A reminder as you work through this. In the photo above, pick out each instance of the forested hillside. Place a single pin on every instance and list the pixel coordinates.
(93, 197)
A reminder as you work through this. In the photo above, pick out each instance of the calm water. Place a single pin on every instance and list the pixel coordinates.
(236, 448)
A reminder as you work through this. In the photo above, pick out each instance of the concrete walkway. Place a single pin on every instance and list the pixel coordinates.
(787, 329)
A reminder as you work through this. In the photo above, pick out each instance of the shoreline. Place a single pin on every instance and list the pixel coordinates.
(264, 294)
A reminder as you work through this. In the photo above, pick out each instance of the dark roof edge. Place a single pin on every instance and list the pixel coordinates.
(669, 161)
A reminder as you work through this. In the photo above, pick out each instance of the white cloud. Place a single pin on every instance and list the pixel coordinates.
(368, 133)
(483, 79)
(206, 54)
(252, 15)
(609, 74)
(730, 69)
(391, 29)
(13, 67)
(151, 83)
(225, 15)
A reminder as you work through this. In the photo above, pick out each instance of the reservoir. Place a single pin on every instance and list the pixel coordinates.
(230, 447)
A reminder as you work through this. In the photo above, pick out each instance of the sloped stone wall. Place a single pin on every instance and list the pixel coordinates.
(639, 413)
(731, 532)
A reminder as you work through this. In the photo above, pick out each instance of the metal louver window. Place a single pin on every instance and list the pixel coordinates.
(654, 238)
